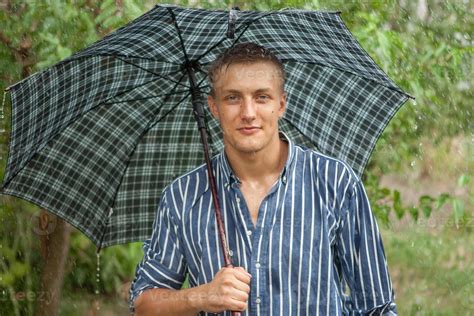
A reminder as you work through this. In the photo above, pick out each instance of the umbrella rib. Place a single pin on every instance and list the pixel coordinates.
(173, 16)
(147, 98)
(153, 73)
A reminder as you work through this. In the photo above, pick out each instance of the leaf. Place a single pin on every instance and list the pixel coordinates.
(463, 180)
(458, 210)
(426, 210)
(397, 204)
(19, 269)
(442, 199)
(105, 14)
(414, 213)
(385, 192)
(63, 52)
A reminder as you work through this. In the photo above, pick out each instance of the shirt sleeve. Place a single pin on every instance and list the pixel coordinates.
(163, 264)
(362, 257)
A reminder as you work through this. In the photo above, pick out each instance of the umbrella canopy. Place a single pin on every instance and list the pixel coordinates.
(96, 137)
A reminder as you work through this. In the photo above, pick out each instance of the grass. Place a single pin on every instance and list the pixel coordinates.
(433, 273)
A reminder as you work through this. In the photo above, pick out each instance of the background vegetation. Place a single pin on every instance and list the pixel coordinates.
(419, 179)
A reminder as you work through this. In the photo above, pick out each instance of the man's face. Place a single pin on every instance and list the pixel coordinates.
(248, 102)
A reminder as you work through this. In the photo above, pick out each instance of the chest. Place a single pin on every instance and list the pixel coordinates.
(253, 198)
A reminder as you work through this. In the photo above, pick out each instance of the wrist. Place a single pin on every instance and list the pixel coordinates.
(197, 298)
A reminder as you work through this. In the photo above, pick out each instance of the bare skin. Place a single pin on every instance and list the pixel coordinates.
(228, 290)
(248, 103)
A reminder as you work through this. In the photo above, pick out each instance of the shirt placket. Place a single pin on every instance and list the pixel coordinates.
(257, 260)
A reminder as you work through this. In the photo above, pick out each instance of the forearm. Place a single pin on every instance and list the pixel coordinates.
(155, 302)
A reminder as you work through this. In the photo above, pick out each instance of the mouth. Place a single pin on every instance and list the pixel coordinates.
(247, 130)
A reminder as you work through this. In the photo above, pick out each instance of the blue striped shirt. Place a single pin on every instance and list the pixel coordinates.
(315, 250)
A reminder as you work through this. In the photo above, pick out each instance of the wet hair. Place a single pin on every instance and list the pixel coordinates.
(244, 53)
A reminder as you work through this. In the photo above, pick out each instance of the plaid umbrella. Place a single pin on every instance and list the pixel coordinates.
(96, 137)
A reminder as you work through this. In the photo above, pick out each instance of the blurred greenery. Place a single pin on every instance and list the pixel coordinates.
(425, 46)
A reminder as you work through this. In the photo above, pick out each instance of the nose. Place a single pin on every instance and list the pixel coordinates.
(248, 109)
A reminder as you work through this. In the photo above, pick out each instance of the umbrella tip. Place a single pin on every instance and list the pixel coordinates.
(231, 22)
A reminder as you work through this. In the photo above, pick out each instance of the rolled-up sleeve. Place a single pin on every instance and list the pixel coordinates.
(362, 256)
(163, 264)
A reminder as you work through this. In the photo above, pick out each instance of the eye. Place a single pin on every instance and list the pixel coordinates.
(232, 98)
(263, 97)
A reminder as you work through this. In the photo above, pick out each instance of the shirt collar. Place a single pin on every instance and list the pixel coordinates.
(229, 177)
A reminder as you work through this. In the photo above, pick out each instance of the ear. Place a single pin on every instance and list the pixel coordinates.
(213, 107)
(282, 108)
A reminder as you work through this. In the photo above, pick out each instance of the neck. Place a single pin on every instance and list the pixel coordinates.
(261, 166)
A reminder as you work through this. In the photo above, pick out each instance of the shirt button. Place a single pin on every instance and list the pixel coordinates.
(284, 178)
(249, 232)
(231, 253)
(238, 200)
(258, 300)
(257, 265)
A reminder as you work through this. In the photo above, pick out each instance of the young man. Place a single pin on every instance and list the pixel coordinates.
(298, 223)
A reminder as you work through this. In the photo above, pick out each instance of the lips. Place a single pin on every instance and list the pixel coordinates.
(248, 130)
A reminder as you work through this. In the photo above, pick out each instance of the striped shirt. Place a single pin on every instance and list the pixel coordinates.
(315, 250)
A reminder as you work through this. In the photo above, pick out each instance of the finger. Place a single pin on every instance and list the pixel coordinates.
(239, 295)
(241, 269)
(242, 286)
(242, 275)
(237, 305)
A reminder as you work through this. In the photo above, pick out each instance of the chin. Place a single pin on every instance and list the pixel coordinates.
(248, 148)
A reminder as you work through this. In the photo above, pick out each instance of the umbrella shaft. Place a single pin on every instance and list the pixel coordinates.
(215, 198)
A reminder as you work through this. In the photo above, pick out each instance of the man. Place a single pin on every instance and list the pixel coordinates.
(298, 223)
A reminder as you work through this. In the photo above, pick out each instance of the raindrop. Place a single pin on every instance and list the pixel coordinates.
(413, 163)
(412, 244)
(98, 274)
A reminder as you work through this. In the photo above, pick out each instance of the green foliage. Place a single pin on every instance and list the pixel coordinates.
(384, 200)
(18, 252)
(116, 265)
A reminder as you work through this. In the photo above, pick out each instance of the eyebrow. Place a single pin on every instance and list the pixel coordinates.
(263, 90)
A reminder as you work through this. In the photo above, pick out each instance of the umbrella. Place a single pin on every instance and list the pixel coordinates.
(96, 137)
